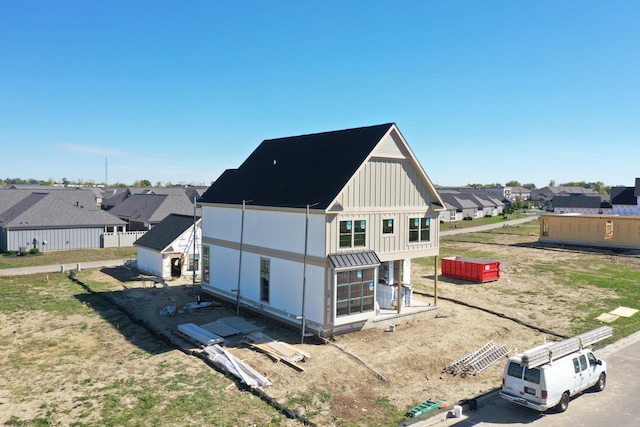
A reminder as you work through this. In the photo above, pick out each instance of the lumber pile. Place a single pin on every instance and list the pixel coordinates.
(277, 351)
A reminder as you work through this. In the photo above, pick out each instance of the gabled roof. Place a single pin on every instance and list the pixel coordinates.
(298, 170)
(51, 210)
(152, 208)
(166, 232)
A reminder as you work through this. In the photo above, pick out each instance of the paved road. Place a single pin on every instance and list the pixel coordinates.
(511, 222)
(615, 406)
(59, 267)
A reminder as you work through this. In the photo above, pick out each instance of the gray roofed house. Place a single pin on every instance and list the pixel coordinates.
(53, 220)
(143, 211)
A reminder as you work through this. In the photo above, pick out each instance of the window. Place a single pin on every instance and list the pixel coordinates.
(193, 262)
(532, 375)
(593, 360)
(515, 370)
(205, 264)
(354, 292)
(608, 230)
(353, 233)
(387, 226)
(265, 267)
(419, 229)
(576, 365)
(583, 362)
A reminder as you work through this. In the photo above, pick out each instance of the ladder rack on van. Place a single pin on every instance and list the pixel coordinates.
(544, 354)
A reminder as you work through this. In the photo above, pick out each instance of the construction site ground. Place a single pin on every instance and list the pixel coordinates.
(373, 375)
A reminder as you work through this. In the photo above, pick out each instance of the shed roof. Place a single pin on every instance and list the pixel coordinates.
(354, 259)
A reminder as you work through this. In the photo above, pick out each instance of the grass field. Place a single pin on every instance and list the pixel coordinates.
(135, 380)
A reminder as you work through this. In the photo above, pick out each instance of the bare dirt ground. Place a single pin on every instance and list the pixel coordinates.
(335, 387)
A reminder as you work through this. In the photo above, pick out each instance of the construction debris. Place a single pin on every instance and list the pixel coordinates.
(478, 360)
(198, 335)
(426, 406)
(228, 326)
(227, 361)
(277, 351)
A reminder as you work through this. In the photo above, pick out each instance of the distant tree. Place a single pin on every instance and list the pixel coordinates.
(513, 184)
(529, 186)
(142, 183)
(65, 182)
(552, 183)
(475, 185)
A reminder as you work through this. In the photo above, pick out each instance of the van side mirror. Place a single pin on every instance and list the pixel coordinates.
(599, 362)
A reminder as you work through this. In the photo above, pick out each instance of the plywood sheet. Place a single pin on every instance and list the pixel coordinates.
(607, 317)
(624, 311)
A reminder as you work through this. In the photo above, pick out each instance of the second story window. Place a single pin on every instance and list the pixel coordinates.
(387, 226)
(353, 233)
(419, 229)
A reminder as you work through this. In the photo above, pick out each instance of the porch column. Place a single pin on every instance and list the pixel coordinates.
(435, 281)
(398, 271)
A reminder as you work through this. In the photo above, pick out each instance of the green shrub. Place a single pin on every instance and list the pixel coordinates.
(33, 251)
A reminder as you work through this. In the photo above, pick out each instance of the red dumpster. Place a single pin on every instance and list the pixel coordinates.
(475, 270)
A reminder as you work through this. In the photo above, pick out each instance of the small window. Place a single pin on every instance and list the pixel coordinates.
(265, 270)
(583, 362)
(593, 360)
(387, 226)
(206, 267)
(608, 230)
(576, 365)
(515, 370)
(532, 375)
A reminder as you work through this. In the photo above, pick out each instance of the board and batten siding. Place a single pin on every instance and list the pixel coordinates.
(57, 238)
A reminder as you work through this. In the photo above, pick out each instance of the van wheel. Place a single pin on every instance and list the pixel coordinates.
(602, 382)
(564, 402)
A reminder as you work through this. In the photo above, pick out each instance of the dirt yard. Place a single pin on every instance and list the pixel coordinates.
(335, 387)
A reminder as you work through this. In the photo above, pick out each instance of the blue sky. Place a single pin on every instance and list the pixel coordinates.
(172, 91)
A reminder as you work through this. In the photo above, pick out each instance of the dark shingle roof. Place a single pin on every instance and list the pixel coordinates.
(298, 170)
(577, 201)
(152, 208)
(623, 196)
(166, 231)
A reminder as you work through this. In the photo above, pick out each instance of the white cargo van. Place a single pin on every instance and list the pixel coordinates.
(547, 376)
(552, 383)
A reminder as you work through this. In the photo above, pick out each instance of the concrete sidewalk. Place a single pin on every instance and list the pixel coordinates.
(21, 271)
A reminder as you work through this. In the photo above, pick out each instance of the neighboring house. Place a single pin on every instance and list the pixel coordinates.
(57, 219)
(626, 200)
(465, 205)
(168, 250)
(309, 227)
(580, 203)
(450, 212)
(610, 231)
(114, 196)
(519, 193)
(544, 195)
(144, 210)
